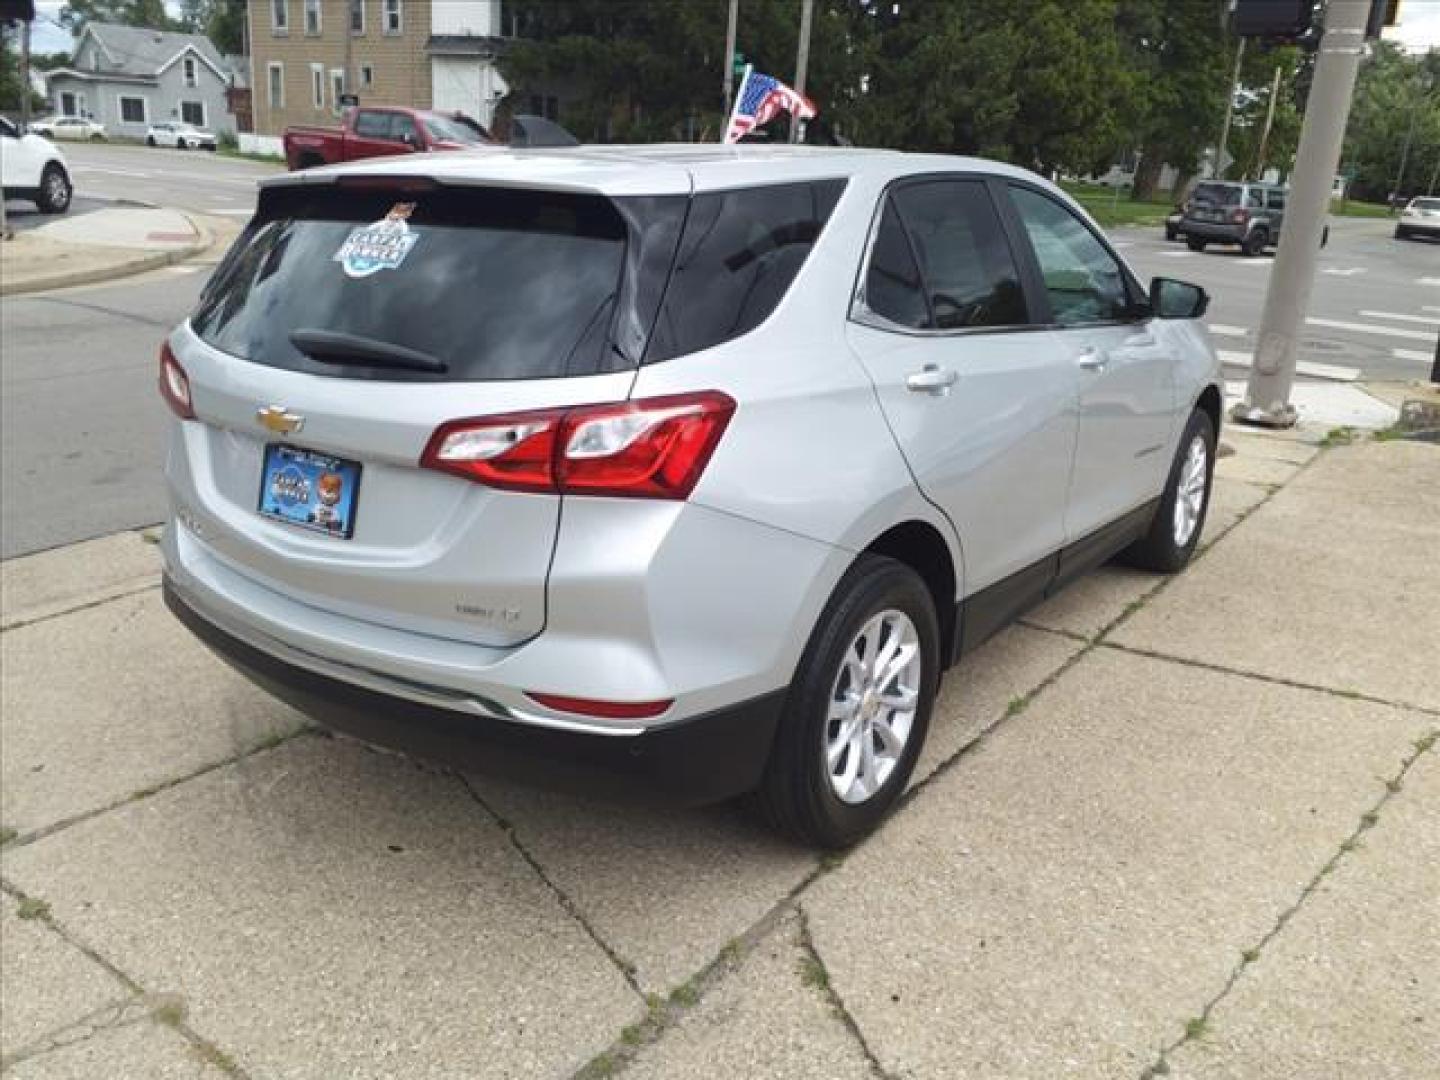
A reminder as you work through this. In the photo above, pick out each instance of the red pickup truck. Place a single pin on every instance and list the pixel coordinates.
(376, 132)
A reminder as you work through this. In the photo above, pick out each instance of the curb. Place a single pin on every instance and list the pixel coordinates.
(204, 238)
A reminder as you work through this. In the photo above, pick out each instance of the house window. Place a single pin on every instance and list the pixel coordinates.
(280, 16)
(367, 76)
(67, 104)
(357, 16)
(132, 110)
(277, 85)
(193, 112)
(312, 16)
(337, 88)
(190, 74)
(317, 85)
(394, 21)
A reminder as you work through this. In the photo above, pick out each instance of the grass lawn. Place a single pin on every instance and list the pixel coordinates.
(1354, 208)
(1100, 201)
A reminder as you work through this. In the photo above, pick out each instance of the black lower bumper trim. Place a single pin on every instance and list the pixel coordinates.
(693, 762)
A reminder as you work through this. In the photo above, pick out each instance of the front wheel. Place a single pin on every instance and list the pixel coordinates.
(1194, 243)
(149, 140)
(1255, 243)
(55, 190)
(858, 709)
(1175, 533)
(1401, 234)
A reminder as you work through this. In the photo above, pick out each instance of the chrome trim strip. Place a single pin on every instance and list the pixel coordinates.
(411, 690)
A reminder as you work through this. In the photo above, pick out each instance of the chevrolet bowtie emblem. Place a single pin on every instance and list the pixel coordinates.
(279, 419)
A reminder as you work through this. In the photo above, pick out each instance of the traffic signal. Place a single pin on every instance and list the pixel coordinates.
(1284, 19)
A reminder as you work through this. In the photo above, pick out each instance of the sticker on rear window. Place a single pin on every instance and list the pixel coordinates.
(380, 246)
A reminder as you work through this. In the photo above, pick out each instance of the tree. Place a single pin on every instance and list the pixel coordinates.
(1397, 98)
(222, 21)
(148, 13)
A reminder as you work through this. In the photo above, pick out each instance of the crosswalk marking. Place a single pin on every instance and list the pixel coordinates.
(1178, 254)
(1411, 354)
(1257, 260)
(1343, 271)
(1370, 328)
(1422, 320)
(1333, 372)
(1227, 331)
(230, 210)
(1428, 281)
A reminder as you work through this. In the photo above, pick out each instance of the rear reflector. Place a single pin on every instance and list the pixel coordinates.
(175, 385)
(653, 448)
(609, 710)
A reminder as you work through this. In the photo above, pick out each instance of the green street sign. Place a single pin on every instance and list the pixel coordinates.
(739, 64)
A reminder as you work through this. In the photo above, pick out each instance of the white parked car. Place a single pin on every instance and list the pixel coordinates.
(181, 136)
(33, 168)
(1421, 217)
(68, 127)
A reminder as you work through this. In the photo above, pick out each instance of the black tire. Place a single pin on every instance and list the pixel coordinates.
(1159, 549)
(55, 190)
(149, 140)
(1401, 233)
(1256, 243)
(796, 795)
(310, 161)
(1194, 243)
(1171, 234)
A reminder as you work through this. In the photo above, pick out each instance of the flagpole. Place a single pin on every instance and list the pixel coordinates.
(735, 108)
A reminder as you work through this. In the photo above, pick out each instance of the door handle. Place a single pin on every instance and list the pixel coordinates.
(1091, 359)
(932, 379)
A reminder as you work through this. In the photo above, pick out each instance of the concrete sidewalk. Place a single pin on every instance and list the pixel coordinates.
(1177, 826)
(101, 245)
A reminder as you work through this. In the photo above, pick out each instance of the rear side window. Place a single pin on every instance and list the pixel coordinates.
(1276, 200)
(496, 284)
(738, 255)
(893, 289)
(372, 125)
(970, 275)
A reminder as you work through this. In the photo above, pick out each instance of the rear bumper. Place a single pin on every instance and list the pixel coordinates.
(1418, 228)
(1215, 232)
(704, 759)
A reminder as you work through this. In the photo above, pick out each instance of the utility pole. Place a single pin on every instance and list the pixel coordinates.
(1269, 119)
(1398, 188)
(1267, 395)
(25, 75)
(730, 53)
(1434, 178)
(349, 31)
(1229, 110)
(802, 61)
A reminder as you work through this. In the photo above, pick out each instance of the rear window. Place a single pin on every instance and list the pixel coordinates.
(737, 258)
(1217, 195)
(495, 284)
(1425, 204)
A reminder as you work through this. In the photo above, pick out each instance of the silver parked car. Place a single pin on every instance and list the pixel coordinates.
(691, 467)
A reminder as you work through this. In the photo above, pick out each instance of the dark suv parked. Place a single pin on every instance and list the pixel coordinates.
(1249, 215)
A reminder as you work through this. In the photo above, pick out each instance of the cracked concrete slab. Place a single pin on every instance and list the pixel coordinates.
(1087, 606)
(140, 1049)
(1351, 987)
(1255, 470)
(1300, 599)
(666, 889)
(1063, 900)
(976, 693)
(42, 585)
(325, 910)
(1263, 446)
(1229, 501)
(45, 982)
(112, 700)
(771, 1019)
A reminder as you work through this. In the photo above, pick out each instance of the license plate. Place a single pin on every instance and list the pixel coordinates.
(310, 490)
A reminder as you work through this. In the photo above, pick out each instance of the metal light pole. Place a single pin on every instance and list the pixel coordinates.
(1267, 395)
(730, 53)
(1229, 111)
(349, 31)
(25, 75)
(802, 61)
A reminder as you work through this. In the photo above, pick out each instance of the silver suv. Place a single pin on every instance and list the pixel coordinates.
(1249, 215)
(689, 467)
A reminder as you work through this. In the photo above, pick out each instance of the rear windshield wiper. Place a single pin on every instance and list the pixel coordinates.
(333, 347)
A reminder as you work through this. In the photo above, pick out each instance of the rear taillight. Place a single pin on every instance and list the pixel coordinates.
(608, 710)
(175, 385)
(654, 448)
(1239, 217)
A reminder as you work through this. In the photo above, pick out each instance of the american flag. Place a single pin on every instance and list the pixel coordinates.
(760, 100)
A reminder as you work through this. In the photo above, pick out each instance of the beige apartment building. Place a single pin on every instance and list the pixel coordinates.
(306, 54)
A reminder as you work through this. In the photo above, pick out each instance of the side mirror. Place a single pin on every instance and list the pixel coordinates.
(1171, 299)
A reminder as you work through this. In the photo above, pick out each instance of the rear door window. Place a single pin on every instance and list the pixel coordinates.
(496, 284)
(372, 125)
(737, 258)
(1216, 195)
(893, 289)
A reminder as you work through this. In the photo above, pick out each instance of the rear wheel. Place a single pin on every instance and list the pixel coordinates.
(1170, 233)
(55, 190)
(858, 709)
(1194, 243)
(1402, 233)
(149, 140)
(1180, 518)
(1256, 242)
(310, 161)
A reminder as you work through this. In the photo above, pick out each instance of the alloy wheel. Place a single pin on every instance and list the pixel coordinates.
(872, 706)
(1190, 491)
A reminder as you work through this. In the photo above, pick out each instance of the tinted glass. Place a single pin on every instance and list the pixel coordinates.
(970, 275)
(893, 288)
(1255, 198)
(443, 129)
(1084, 282)
(1217, 194)
(738, 255)
(8, 129)
(403, 129)
(497, 284)
(1425, 204)
(1276, 200)
(372, 125)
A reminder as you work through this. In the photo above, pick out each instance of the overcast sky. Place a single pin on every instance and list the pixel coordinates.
(1419, 27)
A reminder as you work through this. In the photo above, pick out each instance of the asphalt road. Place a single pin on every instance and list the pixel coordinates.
(82, 424)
